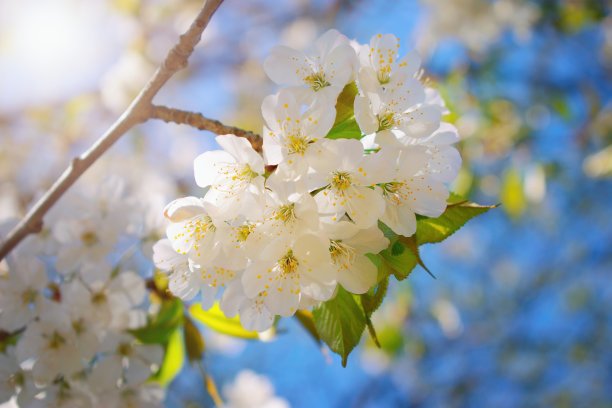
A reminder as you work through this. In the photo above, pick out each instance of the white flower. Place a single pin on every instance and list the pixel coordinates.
(141, 396)
(86, 240)
(402, 110)
(345, 190)
(235, 177)
(290, 211)
(285, 269)
(21, 292)
(187, 279)
(254, 314)
(179, 270)
(89, 233)
(443, 160)
(112, 387)
(380, 67)
(192, 231)
(251, 390)
(348, 246)
(322, 75)
(52, 342)
(127, 359)
(292, 137)
(11, 375)
(109, 304)
(411, 191)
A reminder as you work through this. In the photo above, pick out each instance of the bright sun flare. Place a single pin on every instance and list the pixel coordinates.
(49, 48)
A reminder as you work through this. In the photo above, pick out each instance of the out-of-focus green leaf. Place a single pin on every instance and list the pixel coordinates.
(159, 329)
(340, 322)
(345, 125)
(174, 359)
(561, 106)
(433, 230)
(391, 339)
(216, 320)
(194, 342)
(512, 194)
(307, 321)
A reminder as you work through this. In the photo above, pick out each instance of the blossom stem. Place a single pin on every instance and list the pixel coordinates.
(201, 122)
(139, 111)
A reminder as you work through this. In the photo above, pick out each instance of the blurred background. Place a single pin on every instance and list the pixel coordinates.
(520, 312)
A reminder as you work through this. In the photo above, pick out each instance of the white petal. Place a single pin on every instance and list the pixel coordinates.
(242, 150)
(272, 147)
(318, 120)
(286, 66)
(256, 317)
(363, 115)
(183, 208)
(283, 296)
(366, 207)
(421, 122)
(338, 65)
(255, 277)
(206, 166)
(360, 277)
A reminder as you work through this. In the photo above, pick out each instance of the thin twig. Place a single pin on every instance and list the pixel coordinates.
(201, 122)
(139, 111)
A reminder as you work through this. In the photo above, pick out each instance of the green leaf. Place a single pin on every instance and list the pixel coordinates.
(512, 194)
(340, 322)
(306, 320)
(216, 320)
(348, 129)
(401, 261)
(194, 342)
(345, 103)
(162, 326)
(345, 125)
(433, 230)
(411, 244)
(370, 302)
(174, 359)
(372, 299)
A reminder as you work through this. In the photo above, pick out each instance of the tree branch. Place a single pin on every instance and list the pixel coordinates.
(139, 111)
(201, 122)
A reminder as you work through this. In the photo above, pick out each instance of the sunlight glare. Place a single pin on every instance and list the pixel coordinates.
(52, 48)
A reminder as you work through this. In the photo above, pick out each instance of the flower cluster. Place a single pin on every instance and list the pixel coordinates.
(67, 310)
(280, 231)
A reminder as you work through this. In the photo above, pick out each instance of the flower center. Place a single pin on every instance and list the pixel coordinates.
(243, 232)
(288, 263)
(98, 298)
(16, 380)
(124, 349)
(316, 80)
(78, 326)
(244, 173)
(89, 238)
(297, 144)
(29, 296)
(386, 121)
(55, 341)
(285, 213)
(384, 74)
(396, 192)
(342, 255)
(341, 180)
